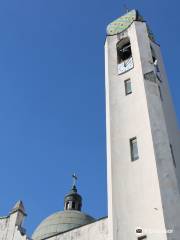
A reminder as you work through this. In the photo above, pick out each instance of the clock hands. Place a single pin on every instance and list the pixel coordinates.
(126, 63)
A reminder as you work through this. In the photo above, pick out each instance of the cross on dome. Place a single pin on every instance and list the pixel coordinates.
(75, 178)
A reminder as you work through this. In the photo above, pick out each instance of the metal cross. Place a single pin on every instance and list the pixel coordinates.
(74, 179)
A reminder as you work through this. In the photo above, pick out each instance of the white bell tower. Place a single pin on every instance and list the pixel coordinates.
(143, 142)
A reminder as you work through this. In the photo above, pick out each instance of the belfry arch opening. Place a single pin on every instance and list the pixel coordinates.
(124, 55)
(123, 50)
(155, 62)
(153, 55)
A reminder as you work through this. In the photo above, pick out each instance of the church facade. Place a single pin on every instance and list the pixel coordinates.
(143, 150)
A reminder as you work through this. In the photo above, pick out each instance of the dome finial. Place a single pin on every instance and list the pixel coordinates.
(73, 201)
(75, 178)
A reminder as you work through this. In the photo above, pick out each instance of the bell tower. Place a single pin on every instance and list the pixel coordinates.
(143, 141)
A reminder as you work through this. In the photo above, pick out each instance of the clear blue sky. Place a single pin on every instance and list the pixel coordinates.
(52, 102)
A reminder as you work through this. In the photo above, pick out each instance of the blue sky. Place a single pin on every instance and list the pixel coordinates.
(52, 102)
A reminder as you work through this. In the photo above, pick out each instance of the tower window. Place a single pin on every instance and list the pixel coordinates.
(153, 54)
(123, 51)
(128, 89)
(124, 56)
(172, 154)
(73, 205)
(134, 149)
(155, 61)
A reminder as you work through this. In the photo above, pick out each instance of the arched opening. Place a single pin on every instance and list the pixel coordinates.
(123, 52)
(153, 54)
(124, 55)
(155, 61)
(73, 205)
(67, 205)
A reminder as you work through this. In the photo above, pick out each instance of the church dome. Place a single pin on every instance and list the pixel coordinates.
(61, 222)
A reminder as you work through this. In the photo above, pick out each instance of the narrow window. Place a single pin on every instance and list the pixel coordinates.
(134, 149)
(128, 89)
(160, 93)
(172, 153)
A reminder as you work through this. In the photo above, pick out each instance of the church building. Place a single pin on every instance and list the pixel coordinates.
(143, 150)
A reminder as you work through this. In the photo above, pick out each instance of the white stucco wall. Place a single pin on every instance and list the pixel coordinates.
(134, 189)
(3, 227)
(9, 229)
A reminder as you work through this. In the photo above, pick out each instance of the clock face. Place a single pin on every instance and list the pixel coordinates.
(125, 66)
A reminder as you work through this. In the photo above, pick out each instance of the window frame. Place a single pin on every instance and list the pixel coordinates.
(133, 149)
(126, 86)
(123, 44)
(124, 53)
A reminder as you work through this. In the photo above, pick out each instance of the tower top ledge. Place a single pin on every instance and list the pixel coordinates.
(122, 23)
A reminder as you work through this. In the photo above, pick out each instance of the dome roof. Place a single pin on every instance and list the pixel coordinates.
(60, 222)
(66, 220)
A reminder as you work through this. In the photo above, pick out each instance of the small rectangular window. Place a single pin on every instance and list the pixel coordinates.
(128, 89)
(172, 154)
(134, 149)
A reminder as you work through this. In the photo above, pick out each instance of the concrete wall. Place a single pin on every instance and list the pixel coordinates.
(169, 112)
(136, 194)
(93, 231)
(164, 131)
